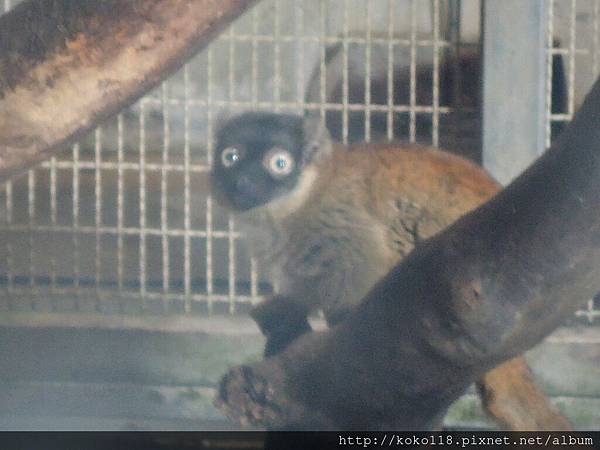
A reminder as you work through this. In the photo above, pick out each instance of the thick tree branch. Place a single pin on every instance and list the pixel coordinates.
(65, 65)
(485, 290)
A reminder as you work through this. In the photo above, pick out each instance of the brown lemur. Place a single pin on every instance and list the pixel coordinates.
(327, 222)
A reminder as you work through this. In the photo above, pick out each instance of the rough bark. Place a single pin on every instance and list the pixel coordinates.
(486, 289)
(65, 65)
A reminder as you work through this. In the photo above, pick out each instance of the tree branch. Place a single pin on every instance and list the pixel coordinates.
(486, 289)
(66, 65)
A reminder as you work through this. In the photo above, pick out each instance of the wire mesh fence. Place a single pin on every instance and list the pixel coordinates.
(123, 221)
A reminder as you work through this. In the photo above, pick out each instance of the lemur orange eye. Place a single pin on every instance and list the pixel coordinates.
(230, 156)
(279, 162)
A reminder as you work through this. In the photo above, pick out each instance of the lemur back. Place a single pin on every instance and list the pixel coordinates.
(367, 209)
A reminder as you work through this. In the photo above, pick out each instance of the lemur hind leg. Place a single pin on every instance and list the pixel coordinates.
(511, 398)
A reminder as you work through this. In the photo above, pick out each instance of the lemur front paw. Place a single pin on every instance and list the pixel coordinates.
(281, 337)
(281, 323)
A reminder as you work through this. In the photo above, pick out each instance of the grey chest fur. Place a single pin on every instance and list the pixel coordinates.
(329, 261)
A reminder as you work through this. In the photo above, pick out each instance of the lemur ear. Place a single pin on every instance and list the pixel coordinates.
(317, 140)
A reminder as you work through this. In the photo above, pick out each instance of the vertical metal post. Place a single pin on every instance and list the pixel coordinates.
(514, 81)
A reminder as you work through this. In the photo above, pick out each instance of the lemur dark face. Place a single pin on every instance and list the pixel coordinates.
(258, 158)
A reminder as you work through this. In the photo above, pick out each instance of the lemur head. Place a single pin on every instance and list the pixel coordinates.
(261, 158)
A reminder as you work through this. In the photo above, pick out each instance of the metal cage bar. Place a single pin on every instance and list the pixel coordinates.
(513, 100)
